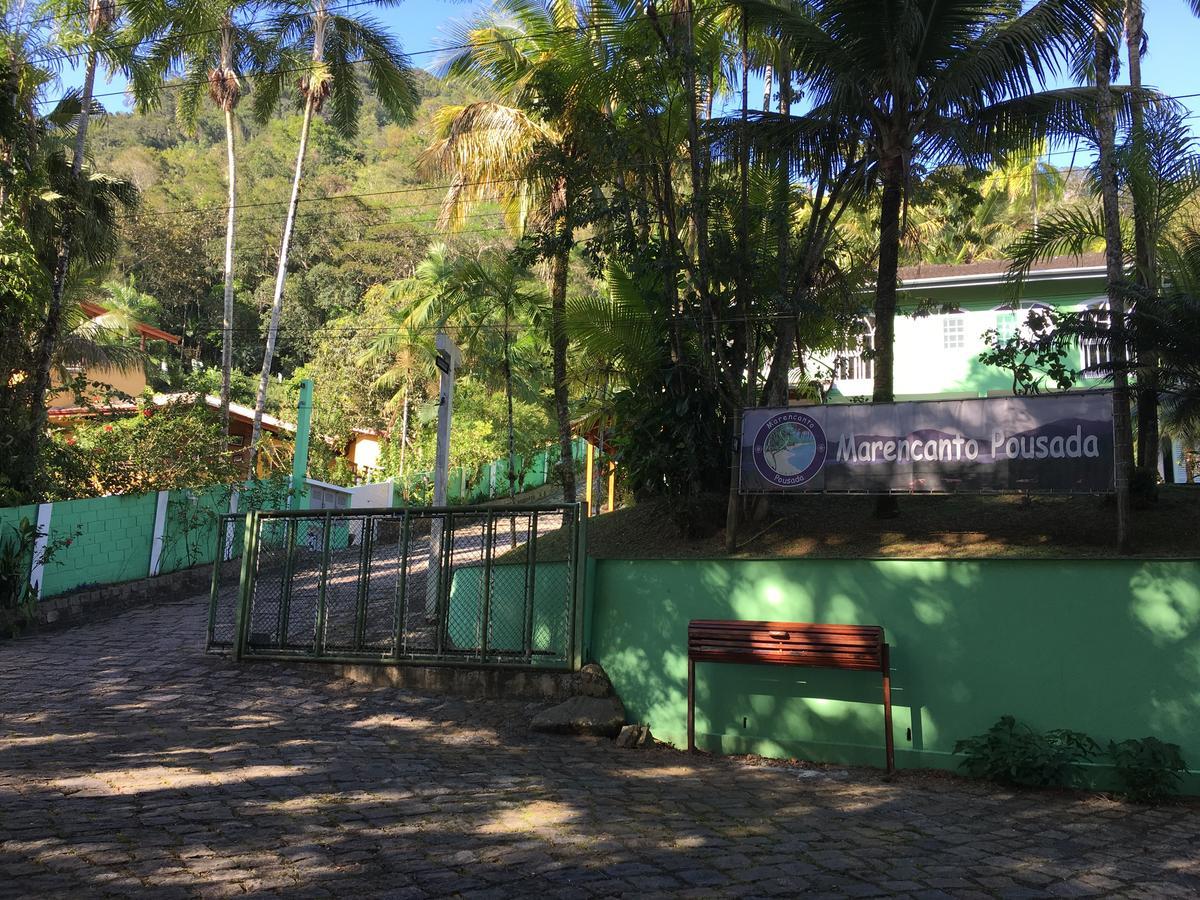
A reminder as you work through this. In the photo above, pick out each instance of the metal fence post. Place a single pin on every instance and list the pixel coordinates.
(245, 585)
(488, 541)
(319, 634)
(364, 576)
(578, 578)
(530, 585)
(214, 589)
(400, 614)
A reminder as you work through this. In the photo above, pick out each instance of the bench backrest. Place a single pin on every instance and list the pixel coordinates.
(787, 643)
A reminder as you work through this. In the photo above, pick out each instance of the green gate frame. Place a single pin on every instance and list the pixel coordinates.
(528, 657)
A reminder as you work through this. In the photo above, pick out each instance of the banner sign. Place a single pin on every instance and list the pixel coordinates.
(1061, 443)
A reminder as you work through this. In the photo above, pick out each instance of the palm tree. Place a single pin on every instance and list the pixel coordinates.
(491, 304)
(543, 62)
(98, 20)
(327, 47)
(933, 82)
(211, 47)
(1145, 251)
(927, 79)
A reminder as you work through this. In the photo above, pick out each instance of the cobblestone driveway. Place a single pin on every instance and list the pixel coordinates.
(131, 764)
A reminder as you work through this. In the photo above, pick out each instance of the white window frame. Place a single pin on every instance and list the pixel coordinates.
(954, 331)
(1095, 352)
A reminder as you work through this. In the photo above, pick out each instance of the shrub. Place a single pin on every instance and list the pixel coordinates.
(1149, 770)
(1013, 753)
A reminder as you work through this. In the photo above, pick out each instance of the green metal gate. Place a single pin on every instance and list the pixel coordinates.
(449, 585)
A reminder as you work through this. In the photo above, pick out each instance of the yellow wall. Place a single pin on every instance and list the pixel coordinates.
(132, 382)
(364, 451)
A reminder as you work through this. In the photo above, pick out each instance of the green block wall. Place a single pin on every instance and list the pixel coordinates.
(10, 518)
(190, 530)
(1109, 647)
(113, 544)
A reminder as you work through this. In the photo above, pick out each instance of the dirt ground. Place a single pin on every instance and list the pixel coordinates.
(928, 526)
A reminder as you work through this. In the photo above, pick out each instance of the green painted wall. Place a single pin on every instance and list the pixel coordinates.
(10, 517)
(113, 543)
(926, 369)
(190, 531)
(1109, 647)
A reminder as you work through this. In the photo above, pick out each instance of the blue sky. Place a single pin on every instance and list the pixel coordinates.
(1169, 66)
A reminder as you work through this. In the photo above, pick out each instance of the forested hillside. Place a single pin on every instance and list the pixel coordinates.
(377, 230)
(368, 216)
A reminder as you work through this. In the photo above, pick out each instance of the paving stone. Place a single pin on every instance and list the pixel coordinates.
(131, 764)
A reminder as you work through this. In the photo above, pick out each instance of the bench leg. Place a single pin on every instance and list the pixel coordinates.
(691, 712)
(887, 710)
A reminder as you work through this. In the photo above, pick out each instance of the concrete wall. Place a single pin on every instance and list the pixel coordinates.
(1109, 647)
(113, 539)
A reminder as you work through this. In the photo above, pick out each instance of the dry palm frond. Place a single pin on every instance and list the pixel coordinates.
(488, 150)
(224, 87)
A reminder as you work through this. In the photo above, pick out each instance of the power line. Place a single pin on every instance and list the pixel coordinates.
(275, 73)
(84, 51)
(410, 189)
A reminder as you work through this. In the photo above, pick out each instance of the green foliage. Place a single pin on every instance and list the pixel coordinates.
(179, 445)
(1036, 355)
(1149, 770)
(671, 440)
(1013, 753)
(18, 557)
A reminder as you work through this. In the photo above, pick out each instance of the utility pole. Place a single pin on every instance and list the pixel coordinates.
(448, 360)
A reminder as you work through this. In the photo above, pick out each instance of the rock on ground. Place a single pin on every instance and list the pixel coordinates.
(602, 716)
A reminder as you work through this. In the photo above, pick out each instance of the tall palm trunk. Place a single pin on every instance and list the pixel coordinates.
(315, 86)
(508, 400)
(264, 377)
(1114, 266)
(891, 204)
(1145, 269)
(227, 312)
(733, 501)
(559, 262)
(225, 86)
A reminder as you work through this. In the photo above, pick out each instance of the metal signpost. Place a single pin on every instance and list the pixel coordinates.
(448, 360)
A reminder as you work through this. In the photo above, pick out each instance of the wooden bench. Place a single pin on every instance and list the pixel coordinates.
(859, 647)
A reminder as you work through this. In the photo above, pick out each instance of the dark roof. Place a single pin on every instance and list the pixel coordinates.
(998, 267)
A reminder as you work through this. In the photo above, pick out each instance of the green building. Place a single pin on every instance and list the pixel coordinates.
(945, 311)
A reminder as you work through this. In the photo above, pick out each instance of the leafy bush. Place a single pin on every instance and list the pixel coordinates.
(672, 441)
(18, 555)
(1012, 753)
(179, 445)
(1149, 770)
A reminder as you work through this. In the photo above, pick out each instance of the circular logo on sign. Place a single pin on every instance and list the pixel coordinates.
(789, 449)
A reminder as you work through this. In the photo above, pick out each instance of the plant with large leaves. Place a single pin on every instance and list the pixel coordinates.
(1157, 169)
(1146, 270)
(494, 308)
(327, 48)
(544, 64)
(87, 29)
(60, 225)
